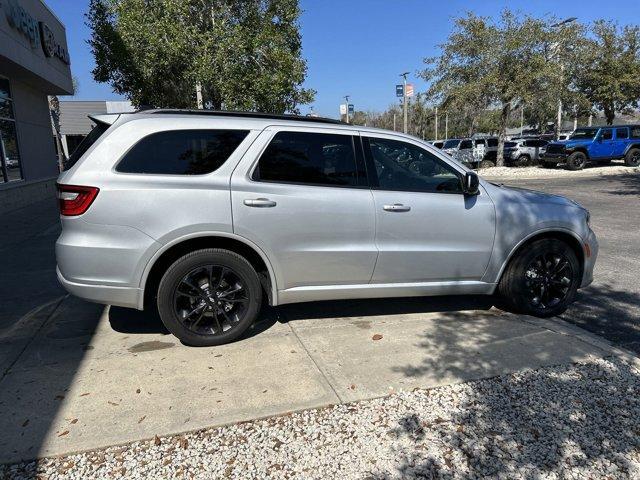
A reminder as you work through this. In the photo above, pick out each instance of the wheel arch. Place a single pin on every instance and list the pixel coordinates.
(569, 237)
(630, 146)
(171, 251)
(581, 150)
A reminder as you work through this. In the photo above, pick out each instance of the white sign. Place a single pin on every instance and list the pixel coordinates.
(343, 109)
(409, 89)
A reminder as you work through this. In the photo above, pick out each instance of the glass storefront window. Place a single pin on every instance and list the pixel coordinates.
(10, 168)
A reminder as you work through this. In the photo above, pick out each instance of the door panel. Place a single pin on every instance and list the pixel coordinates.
(443, 237)
(313, 235)
(603, 145)
(437, 234)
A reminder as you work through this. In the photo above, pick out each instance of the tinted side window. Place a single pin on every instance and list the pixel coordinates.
(403, 166)
(466, 144)
(492, 142)
(181, 152)
(635, 132)
(309, 158)
(607, 134)
(622, 133)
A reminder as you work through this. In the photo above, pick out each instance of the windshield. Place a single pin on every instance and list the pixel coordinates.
(451, 143)
(85, 144)
(584, 133)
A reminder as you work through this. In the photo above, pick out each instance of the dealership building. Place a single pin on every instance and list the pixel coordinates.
(34, 63)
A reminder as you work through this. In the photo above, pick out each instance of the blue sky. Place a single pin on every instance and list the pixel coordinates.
(358, 47)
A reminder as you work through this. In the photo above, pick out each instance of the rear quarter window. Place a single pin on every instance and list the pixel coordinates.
(635, 132)
(181, 152)
(86, 143)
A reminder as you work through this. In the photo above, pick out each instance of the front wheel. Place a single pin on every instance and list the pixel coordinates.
(542, 279)
(209, 297)
(576, 161)
(522, 161)
(632, 158)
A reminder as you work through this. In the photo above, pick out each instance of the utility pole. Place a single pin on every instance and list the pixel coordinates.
(404, 98)
(346, 99)
(557, 47)
(394, 122)
(521, 119)
(199, 96)
(436, 123)
(446, 125)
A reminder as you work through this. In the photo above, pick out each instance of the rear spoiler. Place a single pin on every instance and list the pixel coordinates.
(105, 118)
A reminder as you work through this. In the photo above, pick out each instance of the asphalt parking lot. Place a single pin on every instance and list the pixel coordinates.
(76, 375)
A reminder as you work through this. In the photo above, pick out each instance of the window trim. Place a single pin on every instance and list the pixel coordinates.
(373, 173)
(114, 169)
(360, 162)
(4, 170)
(623, 128)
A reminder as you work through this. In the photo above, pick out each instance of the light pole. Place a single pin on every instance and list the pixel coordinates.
(404, 98)
(346, 99)
(557, 47)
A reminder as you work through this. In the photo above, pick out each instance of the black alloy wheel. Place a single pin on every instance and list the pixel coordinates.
(209, 297)
(632, 158)
(548, 279)
(541, 279)
(210, 300)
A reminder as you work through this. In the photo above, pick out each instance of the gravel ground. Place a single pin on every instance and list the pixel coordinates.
(571, 421)
(539, 172)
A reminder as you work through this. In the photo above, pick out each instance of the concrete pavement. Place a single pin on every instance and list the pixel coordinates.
(91, 378)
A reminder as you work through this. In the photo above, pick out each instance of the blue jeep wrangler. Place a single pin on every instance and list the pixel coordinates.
(595, 144)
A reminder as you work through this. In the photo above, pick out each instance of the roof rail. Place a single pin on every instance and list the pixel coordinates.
(231, 113)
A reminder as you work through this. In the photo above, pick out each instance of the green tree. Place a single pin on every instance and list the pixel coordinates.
(245, 54)
(609, 76)
(490, 64)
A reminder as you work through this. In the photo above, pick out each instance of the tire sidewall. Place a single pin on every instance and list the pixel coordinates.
(516, 288)
(629, 157)
(574, 164)
(181, 267)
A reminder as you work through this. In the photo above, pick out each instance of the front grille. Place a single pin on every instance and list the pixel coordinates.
(555, 148)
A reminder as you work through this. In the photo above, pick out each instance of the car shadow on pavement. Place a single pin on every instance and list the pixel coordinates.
(531, 424)
(629, 185)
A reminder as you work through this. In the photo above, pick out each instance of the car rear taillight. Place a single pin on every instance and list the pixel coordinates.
(75, 199)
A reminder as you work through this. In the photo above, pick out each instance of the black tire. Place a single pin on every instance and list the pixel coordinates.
(576, 161)
(224, 312)
(486, 164)
(528, 285)
(632, 158)
(522, 161)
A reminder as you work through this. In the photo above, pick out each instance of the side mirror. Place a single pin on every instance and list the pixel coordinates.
(471, 183)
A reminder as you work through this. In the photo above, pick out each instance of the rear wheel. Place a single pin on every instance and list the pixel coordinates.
(576, 161)
(209, 297)
(486, 164)
(542, 279)
(632, 158)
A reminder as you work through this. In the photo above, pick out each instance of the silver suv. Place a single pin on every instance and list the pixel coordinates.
(205, 215)
(522, 152)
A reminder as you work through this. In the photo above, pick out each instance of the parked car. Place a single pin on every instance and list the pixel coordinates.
(203, 215)
(462, 150)
(524, 152)
(595, 144)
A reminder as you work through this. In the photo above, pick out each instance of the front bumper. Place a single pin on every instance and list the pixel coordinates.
(590, 249)
(554, 157)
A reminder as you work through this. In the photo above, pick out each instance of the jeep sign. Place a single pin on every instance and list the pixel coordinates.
(37, 32)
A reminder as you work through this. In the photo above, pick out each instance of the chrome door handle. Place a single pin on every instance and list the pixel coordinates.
(259, 202)
(397, 207)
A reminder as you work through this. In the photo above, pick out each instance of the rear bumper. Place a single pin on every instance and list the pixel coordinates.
(107, 294)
